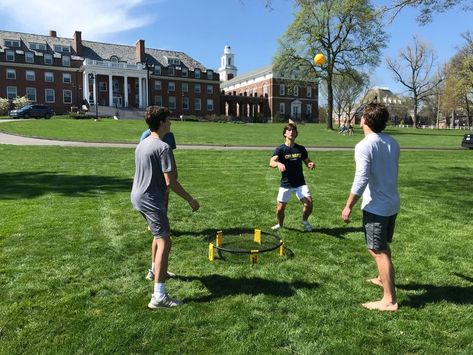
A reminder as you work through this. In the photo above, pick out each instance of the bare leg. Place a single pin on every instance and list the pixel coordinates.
(281, 206)
(154, 249)
(307, 209)
(377, 280)
(161, 260)
(386, 274)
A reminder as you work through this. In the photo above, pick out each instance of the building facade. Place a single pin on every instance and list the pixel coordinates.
(69, 72)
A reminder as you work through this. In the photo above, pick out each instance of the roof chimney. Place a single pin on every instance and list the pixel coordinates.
(52, 33)
(77, 43)
(140, 51)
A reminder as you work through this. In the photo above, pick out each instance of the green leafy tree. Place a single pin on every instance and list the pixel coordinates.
(348, 32)
(19, 102)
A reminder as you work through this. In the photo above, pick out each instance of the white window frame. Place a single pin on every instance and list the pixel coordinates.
(210, 74)
(185, 103)
(66, 75)
(309, 91)
(11, 74)
(172, 102)
(66, 61)
(197, 104)
(282, 107)
(48, 59)
(33, 91)
(171, 71)
(10, 55)
(197, 73)
(10, 91)
(185, 87)
(30, 75)
(158, 85)
(14, 43)
(171, 86)
(157, 70)
(64, 92)
(46, 96)
(48, 74)
(185, 72)
(210, 89)
(296, 90)
(197, 88)
(210, 105)
(282, 89)
(158, 100)
(29, 57)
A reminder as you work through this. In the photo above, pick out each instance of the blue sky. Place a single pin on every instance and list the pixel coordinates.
(201, 28)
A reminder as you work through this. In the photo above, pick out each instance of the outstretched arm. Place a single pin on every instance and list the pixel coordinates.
(309, 163)
(174, 185)
(274, 163)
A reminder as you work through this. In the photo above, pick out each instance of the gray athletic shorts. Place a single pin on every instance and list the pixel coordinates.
(379, 230)
(158, 223)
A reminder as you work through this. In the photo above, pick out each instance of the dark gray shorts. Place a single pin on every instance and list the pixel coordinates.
(158, 223)
(379, 230)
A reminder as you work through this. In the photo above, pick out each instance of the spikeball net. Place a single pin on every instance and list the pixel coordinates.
(223, 245)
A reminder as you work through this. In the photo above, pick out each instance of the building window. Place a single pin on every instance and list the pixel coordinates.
(157, 85)
(12, 43)
(296, 90)
(197, 104)
(114, 59)
(210, 74)
(66, 78)
(30, 75)
(185, 103)
(38, 46)
(309, 109)
(61, 48)
(185, 87)
(265, 90)
(171, 71)
(10, 55)
(48, 59)
(29, 57)
(67, 96)
(103, 86)
(158, 100)
(31, 94)
(173, 61)
(185, 72)
(197, 73)
(210, 89)
(172, 102)
(49, 96)
(66, 61)
(157, 70)
(210, 104)
(282, 89)
(11, 74)
(197, 89)
(11, 92)
(309, 91)
(171, 86)
(115, 85)
(282, 107)
(48, 77)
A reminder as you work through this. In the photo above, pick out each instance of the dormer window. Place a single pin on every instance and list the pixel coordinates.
(38, 46)
(210, 74)
(13, 43)
(173, 61)
(197, 73)
(114, 59)
(62, 49)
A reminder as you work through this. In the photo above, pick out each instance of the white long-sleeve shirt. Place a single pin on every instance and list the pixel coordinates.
(377, 160)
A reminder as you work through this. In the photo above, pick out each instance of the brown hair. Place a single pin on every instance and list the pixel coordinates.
(155, 115)
(376, 116)
(289, 127)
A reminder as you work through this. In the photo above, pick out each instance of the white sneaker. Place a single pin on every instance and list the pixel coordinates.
(276, 227)
(307, 227)
(165, 302)
(150, 275)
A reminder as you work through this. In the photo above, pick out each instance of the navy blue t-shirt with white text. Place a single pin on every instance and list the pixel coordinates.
(292, 158)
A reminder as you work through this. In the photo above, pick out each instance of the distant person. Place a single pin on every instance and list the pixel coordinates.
(170, 140)
(155, 173)
(288, 158)
(350, 129)
(377, 161)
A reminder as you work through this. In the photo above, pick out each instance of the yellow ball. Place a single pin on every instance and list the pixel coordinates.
(319, 59)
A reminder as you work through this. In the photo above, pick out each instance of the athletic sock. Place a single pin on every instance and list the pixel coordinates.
(152, 267)
(159, 290)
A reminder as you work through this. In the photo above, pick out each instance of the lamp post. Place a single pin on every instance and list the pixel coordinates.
(149, 68)
(93, 77)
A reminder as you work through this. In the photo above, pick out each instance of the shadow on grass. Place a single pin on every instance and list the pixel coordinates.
(339, 232)
(223, 286)
(434, 294)
(34, 184)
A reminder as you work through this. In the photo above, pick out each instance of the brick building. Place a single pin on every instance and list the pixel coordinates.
(264, 93)
(68, 72)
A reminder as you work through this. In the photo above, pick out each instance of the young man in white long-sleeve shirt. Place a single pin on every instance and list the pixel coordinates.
(377, 161)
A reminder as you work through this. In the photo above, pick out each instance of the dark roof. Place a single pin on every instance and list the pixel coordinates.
(102, 51)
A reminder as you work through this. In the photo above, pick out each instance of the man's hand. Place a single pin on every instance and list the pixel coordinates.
(311, 165)
(194, 205)
(346, 214)
(281, 167)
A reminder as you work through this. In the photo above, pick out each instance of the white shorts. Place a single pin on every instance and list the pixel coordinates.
(285, 193)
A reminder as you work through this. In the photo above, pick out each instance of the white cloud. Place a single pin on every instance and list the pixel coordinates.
(97, 19)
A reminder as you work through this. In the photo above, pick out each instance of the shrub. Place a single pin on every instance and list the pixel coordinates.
(19, 102)
(4, 106)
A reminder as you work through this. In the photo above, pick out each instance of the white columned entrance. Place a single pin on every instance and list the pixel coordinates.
(110, 90)
(140, 91)
(85, 86)
(96, 99)
(125, 90)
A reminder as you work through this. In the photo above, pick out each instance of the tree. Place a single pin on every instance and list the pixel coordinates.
(413, 69)
(347, 32)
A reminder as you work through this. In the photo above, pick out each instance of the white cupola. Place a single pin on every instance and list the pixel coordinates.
(227, 68)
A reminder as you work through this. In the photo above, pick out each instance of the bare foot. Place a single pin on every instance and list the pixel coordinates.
(381, 306)
(376, 281)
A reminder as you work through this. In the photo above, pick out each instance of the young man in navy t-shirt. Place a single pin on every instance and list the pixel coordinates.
(288, 158)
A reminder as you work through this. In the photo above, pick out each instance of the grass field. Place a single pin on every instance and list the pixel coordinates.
(74, 256)
(221, 133)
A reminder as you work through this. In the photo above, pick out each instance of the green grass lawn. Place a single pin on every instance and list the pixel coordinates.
(74, 256)
(108, 130)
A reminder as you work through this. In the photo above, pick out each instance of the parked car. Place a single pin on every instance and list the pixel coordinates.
(467, 141)
(32, 111)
